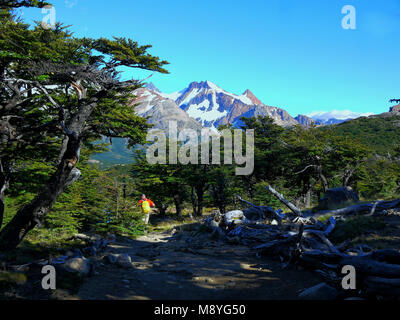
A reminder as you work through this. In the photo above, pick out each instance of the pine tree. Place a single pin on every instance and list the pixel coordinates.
(56, 93)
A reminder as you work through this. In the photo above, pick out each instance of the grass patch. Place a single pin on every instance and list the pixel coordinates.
(41, 244)
(354, 227)
(9, 280)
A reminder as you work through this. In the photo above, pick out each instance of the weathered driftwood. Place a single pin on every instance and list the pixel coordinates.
(331, 226)
(361, 208)
(279, 247)
(365, 264)
(287, 203)
(263, 210)
(323, 238)
(289, 246)
(368, 266)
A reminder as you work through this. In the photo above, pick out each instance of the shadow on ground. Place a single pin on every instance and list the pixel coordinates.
(186, 267)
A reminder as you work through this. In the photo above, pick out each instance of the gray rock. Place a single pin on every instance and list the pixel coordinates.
(124, 261)
(111, 258)
(321, 291)
(338, 197)
(81, 266)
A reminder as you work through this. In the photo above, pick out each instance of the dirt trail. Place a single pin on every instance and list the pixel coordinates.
(168, 268)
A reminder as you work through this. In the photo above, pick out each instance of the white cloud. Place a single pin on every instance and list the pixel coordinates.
(337, 114)
(70, 3)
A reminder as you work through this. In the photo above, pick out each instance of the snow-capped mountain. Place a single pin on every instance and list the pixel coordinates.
(212, 106)
(305, 121)
(204, 104)
(161, 110)
(335, 116)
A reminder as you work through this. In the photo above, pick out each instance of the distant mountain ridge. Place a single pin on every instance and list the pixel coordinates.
(206, 105)
(212, 106)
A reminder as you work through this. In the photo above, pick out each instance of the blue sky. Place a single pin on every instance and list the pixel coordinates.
(293, 54)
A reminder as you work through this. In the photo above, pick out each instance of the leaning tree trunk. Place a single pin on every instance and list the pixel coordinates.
(33, 214)
(287, 203)
(29, 216)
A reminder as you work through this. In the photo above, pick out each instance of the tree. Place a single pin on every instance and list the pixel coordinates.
(320, 154)
(197, 178)
(9, 4)
(60, 90)
(164, 183)
(266, 154)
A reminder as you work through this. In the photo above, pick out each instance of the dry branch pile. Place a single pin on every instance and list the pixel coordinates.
(300, 240)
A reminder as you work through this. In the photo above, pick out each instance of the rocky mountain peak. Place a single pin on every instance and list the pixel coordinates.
(395, 109)
(252, 97)
(152, 87)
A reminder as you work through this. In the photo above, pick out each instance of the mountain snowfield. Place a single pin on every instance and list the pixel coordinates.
(206, 105)
(336, 116)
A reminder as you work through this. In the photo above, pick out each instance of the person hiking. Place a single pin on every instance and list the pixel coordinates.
(146, 205)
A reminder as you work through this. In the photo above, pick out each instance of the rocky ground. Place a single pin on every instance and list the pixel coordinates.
(185, 266)
(190, 261)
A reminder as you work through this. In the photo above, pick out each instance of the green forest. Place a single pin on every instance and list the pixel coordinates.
(301, 162)
(62, 102)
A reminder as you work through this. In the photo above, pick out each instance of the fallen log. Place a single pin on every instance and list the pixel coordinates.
(363, 264)
(277, 247)
(323, 238)
(319, 260)
(287, 203)
(263, 210)
(368, 266)
(331, 226)
(361, 208)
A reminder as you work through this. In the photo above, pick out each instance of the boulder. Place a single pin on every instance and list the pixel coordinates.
(321, 291)
(111, 258)
(124, 261)
(338, 197)
(80, 266)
